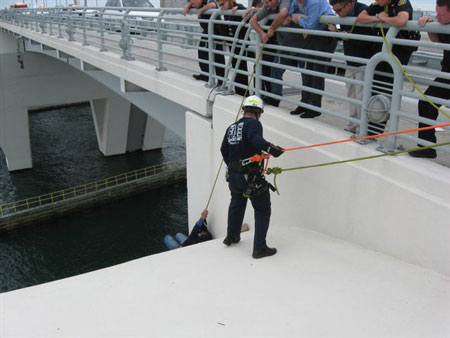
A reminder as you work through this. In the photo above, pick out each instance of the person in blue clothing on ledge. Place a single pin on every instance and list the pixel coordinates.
(198, 234)
(243, 139)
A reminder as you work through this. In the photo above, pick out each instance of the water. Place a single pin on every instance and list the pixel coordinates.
(65, 153)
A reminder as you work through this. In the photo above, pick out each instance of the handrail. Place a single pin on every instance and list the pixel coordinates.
(170, 24)
(12, 208)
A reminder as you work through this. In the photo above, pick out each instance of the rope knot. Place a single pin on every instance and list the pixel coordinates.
(274, 170)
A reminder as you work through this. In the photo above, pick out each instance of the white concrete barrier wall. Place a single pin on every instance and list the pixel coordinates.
(395, 205)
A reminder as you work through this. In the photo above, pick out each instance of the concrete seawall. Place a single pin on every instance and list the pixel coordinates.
(91, 199)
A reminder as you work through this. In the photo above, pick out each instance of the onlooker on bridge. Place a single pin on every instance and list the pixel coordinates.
(267, 55)
(356, 48)
(313, 10)
(426, 109)
(281, 8)
(203, 6)
(395, 13)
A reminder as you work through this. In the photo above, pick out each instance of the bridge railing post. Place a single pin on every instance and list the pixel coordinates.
(70, 30)
(83, 20)
(160, 40)
(125, 41)
(390, 143)
(50, 25)
(102, 31)
(211, 49)
(42, 22)
(59, 25)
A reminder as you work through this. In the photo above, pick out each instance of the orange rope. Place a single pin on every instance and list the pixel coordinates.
(369, 137)
(262, 157)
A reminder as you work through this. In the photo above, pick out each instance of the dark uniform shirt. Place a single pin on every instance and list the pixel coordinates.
(204, 25)
(357, 48)
(242, 140)
(230, 30)
(395, 7)
(445, 38)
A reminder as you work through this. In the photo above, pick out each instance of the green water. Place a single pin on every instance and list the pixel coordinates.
(65, 153)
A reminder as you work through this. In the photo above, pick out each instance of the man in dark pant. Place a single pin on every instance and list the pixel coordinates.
(242, 140)
(261, 204)
(203, 56)
(426, 109)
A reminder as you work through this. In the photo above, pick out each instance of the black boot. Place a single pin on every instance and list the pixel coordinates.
(200, 77)
(299, 110)
(271, 101)
(425, 153)
(231, 240)
(264, 253)
(309, 114)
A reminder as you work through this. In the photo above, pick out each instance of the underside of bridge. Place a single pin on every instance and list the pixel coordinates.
(126, 117)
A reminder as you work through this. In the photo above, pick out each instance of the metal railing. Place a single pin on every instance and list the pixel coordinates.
(169, 40)
(10, 209)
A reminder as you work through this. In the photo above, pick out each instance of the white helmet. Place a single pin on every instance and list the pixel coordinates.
(255, 104)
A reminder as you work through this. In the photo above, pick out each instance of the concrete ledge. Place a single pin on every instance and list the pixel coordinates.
(316, 286)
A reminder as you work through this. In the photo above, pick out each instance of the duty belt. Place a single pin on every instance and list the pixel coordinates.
(243, 168)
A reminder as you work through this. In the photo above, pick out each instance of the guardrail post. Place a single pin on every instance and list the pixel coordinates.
(211, 54)
(50, 26)
(59, 26)
(70, 30)
(42, 23)
(126, 41)
(83, 20)
(390, 143)
(160, 44)
(102, 32)
(258, 68)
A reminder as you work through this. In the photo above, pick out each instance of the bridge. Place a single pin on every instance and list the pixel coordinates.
(363, 246)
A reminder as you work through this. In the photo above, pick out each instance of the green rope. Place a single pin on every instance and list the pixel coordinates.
(237, 117)
(277, 171)
(406, 74)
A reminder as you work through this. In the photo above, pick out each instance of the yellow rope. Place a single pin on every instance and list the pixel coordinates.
(407, 76)
(277, 171)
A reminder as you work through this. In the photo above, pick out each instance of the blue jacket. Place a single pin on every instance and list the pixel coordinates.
(242, 140)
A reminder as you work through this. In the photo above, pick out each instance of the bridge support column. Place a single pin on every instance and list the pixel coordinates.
(111, 117)
(154, 134)
(15, 138)
(122, 127)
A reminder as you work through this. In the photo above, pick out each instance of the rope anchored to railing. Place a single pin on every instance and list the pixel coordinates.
(276, 170)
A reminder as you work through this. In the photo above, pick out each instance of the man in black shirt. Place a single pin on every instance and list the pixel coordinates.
(426, 109)
(243, 139)
(395, 13)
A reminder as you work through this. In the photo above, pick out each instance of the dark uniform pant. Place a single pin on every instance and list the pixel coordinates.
(261, 205)
(218, 58)
(428, 111)
(321, 44)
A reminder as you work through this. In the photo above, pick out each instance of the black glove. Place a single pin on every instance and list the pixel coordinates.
(275, 150)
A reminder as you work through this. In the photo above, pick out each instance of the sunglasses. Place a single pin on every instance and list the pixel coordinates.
(338, 10)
